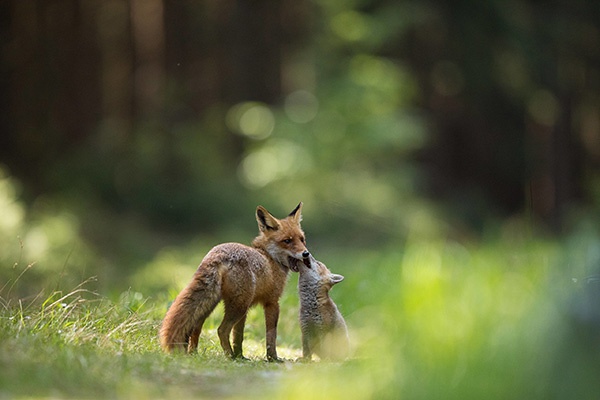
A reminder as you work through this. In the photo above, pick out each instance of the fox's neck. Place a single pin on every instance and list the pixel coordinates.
(261, 245)
(323, 297)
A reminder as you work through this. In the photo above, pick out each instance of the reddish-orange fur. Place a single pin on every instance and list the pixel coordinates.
(241, 276)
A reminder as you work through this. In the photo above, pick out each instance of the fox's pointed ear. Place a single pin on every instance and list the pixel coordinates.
(297, 213)
(265, 220)
(336, 278)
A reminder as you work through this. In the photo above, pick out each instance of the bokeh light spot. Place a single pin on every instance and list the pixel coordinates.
(301, 106)
(350, 25)
(276, 160)
(252, 119)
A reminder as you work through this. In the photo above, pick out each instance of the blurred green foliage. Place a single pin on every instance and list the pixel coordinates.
(444, 320)
(378, 114)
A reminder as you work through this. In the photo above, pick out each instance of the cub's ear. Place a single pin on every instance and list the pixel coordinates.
(335, 278)
(296, 214)
(265, 220)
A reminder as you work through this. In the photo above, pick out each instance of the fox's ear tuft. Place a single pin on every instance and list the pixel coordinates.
(336, 278)
(297, 213)
(265, 220)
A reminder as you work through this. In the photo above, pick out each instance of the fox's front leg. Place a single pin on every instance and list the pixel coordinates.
(271, 318)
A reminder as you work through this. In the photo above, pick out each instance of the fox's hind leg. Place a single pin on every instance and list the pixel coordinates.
(195, 335)
(306, 348)
(238, 338)
(233, 315)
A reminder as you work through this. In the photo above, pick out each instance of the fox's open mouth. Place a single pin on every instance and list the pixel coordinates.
(293, 263)
(306, 261)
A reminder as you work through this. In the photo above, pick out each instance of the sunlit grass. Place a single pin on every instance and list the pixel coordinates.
(430, 319)
(448, 321)
(80, 344)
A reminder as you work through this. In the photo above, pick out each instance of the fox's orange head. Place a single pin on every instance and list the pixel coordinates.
(282, 238)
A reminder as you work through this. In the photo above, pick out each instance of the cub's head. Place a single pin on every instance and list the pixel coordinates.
(315, 271)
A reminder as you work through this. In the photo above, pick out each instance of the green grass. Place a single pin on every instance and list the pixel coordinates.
(79, 344)
(434, 319)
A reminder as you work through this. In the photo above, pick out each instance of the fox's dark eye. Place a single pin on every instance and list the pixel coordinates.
(287, 241)
(302, 239)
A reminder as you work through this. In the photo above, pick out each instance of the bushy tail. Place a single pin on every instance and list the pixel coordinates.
(190, 309)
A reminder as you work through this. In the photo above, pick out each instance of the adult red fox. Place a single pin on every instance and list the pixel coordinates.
(241, 276)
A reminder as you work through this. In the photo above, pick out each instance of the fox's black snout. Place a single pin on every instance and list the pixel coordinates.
(306, 258)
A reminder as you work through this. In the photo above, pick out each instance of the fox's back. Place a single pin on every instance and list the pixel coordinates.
(234, 256)
(245, 269)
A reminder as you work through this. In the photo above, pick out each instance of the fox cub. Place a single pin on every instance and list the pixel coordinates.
(324, 330)
(241, 276)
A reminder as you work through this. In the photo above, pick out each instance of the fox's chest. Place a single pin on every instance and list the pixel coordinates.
(315, 306)
(269, 282)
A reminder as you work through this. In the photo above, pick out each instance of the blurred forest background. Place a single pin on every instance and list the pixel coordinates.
(129, 128)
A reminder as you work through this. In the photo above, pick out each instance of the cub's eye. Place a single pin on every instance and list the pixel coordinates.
(287, 241)
(302, 239)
